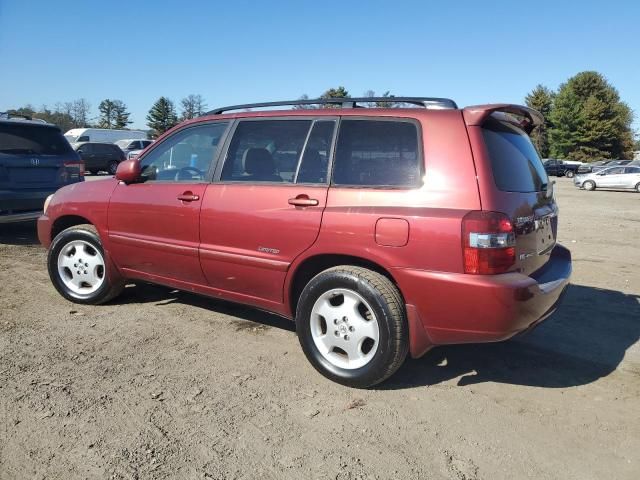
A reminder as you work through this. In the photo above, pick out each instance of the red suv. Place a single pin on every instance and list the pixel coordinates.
(379, 231)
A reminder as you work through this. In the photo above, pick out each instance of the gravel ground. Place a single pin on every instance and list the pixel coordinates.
(164, 384)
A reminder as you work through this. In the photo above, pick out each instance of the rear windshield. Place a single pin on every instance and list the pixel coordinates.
(32, 140)
(514, 160)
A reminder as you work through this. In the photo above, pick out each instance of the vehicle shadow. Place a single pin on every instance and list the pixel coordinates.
(22, 233)
(586, 339)
(158, 295)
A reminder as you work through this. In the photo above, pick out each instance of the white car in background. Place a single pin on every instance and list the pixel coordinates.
(616, 178)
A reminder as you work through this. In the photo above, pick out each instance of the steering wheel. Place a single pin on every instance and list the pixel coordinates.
(188, 173)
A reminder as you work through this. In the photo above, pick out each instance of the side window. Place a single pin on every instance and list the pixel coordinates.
(614, 171)
(377, 153)
(86, 148)
(184, 156)
(632, 170)
(84, 138)
(265, 151)
(145, 143)
(133, 145)
(100, 149)
(315, 159)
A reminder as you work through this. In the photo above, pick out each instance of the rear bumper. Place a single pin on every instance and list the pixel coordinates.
(20, 206)
(446, 308)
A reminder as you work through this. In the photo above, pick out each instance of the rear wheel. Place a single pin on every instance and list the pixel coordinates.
(589, 185)
(112, 167)
(569, 174)
(77, 266)
(638, 188)
(352, 326)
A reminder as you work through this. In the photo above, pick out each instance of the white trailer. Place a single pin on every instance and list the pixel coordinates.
(104, 135)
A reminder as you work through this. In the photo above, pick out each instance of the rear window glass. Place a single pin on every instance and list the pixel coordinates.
(377, 153)
(32, 140)
(514, 160)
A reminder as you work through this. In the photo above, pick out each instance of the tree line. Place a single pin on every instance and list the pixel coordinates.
(585, 120)
(113, 113)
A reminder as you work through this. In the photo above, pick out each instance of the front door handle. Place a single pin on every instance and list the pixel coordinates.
(303, 201)
(188, 197)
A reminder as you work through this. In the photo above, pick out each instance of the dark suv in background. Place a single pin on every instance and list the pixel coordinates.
(35, 161)
(100, 156)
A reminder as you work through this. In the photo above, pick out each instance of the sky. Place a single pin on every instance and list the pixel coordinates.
(241, 52)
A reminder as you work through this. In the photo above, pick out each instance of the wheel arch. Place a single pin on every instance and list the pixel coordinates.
(308, 268)
(66, 221)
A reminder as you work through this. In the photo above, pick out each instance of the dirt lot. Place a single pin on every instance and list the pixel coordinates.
(163, 384)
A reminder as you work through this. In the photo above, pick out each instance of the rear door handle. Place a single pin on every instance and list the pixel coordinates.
(303, 201)
(188, 197)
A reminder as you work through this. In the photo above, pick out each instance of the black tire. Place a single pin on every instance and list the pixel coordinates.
(112, 167)
(87, 233)
(93, 172)
(638, 188)
(569, 174)
(589, 185)
(386, 303)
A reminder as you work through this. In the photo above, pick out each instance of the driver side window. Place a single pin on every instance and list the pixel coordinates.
(185, 156)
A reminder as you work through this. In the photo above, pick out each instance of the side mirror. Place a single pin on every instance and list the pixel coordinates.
(128, 171)
(79, 152)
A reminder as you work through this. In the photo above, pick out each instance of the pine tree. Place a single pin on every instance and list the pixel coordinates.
(541, 99)
(107, 109)
(121, 115)
(589, 121)
(162, 116)
(339, 92)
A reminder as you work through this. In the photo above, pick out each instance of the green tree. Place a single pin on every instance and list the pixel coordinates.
(339, 92)
(589, 121)
(121, 114)
(541, 99)
(107, 109)
(162, 116)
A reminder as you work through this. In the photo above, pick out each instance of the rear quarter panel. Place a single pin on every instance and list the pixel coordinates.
(433, 211)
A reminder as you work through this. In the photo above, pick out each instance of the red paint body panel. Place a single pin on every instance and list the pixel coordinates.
(250, 235)
(152, 231)
(245, 242)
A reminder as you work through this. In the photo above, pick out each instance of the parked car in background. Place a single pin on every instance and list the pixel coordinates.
(99, 157)
(601, 164)
(129, 145)
(104, 135)
(560, 168)
(35, 161)
(380, 231)
(626, 177)
(133, 154)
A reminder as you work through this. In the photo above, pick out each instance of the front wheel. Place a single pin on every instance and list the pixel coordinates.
(589, 185)
(638, 188)
(352, 326)
(569, 174)
(77, 266)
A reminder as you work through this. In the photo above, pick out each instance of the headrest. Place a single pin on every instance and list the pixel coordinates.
(258, 161)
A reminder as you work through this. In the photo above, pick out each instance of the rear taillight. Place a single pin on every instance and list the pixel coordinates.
(488, 243)
(74, 168)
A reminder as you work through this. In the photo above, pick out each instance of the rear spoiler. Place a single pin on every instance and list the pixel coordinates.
(519, 115)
